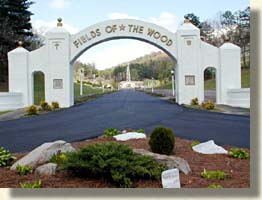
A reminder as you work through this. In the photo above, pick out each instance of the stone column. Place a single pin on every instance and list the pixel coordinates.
(230, 69)
(18, 73)
(188, 71)
(58, 76)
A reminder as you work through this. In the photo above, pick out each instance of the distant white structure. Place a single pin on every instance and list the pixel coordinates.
(129, 84)
(192, 56)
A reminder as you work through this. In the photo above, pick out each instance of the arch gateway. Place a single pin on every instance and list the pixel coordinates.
(191, 55)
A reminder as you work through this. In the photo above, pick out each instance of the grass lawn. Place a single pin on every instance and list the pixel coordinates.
(3, 87)
(211, 83)
(3, 112)
(87, 90)
(39, 89)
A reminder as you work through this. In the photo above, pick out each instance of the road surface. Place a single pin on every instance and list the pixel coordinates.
(124, 109)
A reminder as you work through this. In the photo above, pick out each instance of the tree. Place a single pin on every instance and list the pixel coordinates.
(228, 19)
(15, 26)
(193, 19)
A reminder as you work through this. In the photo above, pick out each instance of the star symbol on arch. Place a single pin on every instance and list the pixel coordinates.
(122, 27)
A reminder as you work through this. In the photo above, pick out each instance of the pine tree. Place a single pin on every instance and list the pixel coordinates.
(15, 26)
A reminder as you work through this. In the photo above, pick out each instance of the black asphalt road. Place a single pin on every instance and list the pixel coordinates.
(125, 109)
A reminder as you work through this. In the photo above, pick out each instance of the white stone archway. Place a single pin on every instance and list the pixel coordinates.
(191, 54)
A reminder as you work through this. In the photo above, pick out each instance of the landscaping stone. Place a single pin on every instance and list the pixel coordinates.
(43, 153)
(170, 178)
(170, 161)
(129, 136)
(46, 169)
(209, 147)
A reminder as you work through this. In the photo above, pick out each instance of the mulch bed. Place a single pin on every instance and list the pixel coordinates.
(238, 170)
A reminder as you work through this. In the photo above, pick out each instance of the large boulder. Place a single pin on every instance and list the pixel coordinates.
(43, 153)
(46, 169)
(209, 147)
(129, 136)
(170, 161)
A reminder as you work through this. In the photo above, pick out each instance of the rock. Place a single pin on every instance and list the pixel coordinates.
(43, 153)
(129, 136)
(209, 147)
(46, 169)
(170, 178)
(170, 161)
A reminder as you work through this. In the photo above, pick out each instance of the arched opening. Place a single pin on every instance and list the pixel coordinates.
(210, 84)
(159, 70)
(38, 78)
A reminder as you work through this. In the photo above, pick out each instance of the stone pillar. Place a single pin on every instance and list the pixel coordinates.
(58, 77)
(188, 71)
(230, 70)
(18, 73)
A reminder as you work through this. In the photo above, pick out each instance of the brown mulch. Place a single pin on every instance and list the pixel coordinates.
(238, 170)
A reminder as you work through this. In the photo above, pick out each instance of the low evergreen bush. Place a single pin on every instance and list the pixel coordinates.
(31, 110)
(140, 130)
(34, 185)
(162, 140)
(208, 105)
(214, 186)
(194, 143)
(55, 105)
(238, 153)
(194, 102)
(5, 157)
(45, 106)
(213, 174)
(59, 158)
(110, 132)
(24, 170)
(113, 162)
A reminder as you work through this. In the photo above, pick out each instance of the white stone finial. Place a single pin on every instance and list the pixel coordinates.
(20, 44)
(186, 20)
(59, 23)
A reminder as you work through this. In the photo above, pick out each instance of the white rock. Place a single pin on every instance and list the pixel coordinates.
(209, 147)
(46, 169)
(170, 178)
(43, 153)
(129, 136)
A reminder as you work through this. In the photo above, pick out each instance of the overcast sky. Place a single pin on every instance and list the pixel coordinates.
(79, 14)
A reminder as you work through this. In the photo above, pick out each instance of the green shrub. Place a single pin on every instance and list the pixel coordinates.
(140, 130)
(24, 170)
(36, 184)
(194, 102)
(208, 105)
(215, 186)
(5, 157)
(213, 174)
(31, 110)
(45, 106)
(194, 143)
(110, 132)
(113, 162)
(55, 105)
(238, 153)
(59, 158)
(162, 140)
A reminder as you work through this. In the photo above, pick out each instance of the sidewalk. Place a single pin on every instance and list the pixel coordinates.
(15, 114)
(211, 95)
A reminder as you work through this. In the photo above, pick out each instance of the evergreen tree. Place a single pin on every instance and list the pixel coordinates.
(15, 26)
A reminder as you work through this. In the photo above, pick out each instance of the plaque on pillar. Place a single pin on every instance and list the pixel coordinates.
(190, 80)
(58, 83)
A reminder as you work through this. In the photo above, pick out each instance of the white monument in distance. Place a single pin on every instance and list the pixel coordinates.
(129, 84)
